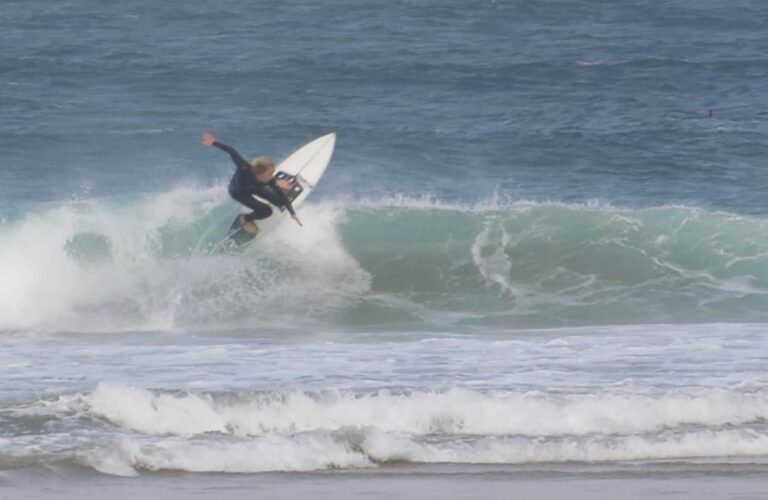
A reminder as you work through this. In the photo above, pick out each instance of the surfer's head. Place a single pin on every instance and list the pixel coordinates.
(263, 166)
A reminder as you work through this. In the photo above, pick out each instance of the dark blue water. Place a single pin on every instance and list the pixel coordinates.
(556, 100)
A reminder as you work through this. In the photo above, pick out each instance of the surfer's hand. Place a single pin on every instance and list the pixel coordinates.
(283, 184)
(208, 139)
(296, 218)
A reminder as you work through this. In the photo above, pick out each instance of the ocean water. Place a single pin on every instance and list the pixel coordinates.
(538, 261)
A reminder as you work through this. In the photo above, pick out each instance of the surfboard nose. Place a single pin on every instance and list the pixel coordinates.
(331, 137)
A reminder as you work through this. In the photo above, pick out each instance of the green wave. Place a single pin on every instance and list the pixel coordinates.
(144, 263)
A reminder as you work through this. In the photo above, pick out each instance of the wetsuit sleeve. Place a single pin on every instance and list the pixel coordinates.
(283, 197)
(239, 161)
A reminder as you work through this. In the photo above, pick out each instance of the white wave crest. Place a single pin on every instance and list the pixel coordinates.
(369, 447)
(453, 412)
(298, 453)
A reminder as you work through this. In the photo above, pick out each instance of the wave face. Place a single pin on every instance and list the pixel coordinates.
(556, 264)
(125, 430)
(143, 263)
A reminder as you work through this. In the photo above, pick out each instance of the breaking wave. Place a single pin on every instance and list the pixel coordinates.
(143, 263)
(133, 429)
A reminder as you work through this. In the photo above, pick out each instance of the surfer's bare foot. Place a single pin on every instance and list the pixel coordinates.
(248, 226)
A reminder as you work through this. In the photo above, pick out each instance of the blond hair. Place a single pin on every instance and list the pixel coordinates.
(262, 164)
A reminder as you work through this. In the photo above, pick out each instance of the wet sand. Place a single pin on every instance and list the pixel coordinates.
(706, 483)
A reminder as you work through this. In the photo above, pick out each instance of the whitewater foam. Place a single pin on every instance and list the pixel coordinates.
(369, 448)
(141, 265)
(302, 431)
(298, 453)
(454, 412)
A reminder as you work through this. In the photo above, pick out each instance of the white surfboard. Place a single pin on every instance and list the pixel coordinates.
(303, 169)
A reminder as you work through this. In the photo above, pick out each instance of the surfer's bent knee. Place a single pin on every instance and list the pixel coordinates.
(262, 213)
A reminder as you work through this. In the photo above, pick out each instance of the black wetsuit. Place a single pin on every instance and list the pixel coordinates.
(244, 185)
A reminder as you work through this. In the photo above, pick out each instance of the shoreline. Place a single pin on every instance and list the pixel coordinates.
(401, 485)
(575, 482)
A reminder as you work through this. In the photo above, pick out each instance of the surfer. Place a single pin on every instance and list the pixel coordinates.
(256, 177)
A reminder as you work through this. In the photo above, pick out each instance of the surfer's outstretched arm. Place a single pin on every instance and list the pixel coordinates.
(238, 160)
